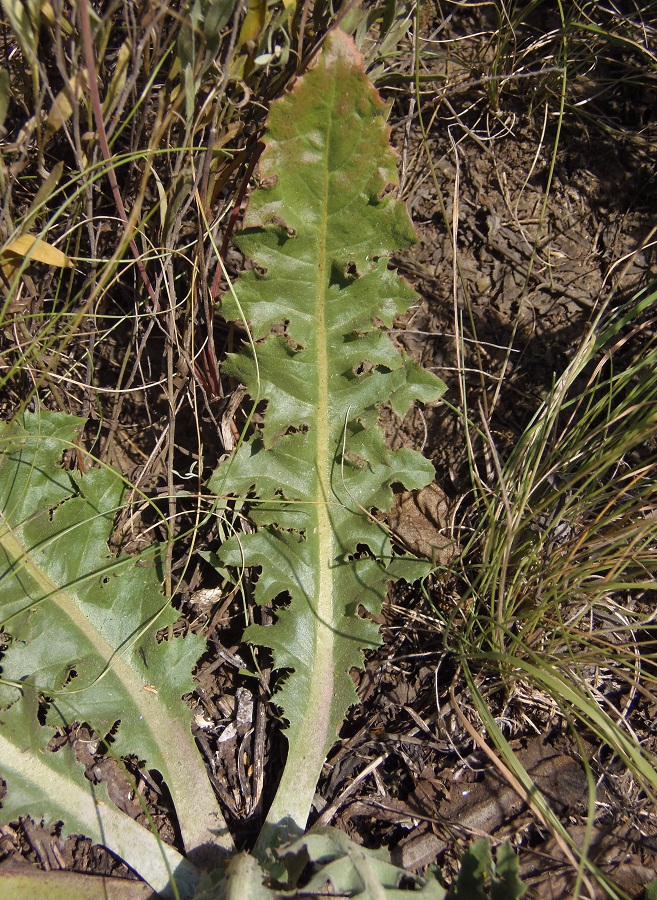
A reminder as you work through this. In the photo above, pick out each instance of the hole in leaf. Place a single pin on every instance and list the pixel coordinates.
(283, 226)
(280, 602)
(42, 713)
(109, 737)
(388, 191)
(363, 368)
(69, 734)
(171, 632)
(281, 676)
(341, 277)
(72, 674)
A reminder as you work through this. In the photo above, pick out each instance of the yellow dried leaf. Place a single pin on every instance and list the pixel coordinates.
(48, 14)
(27, 245)
(9, 270)
(5, 93)
(62, 106)
(119, 78)
(254, 21)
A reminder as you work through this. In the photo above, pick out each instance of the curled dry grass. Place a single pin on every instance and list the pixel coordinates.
(553, 630)
(565, 537)
(556, 626)
(555, 620)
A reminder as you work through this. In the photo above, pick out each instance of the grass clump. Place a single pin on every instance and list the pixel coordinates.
(550, 630)
(556, 622)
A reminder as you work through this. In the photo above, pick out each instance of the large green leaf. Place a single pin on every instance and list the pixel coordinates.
(43, 784)
(81, 627)
(320, 229)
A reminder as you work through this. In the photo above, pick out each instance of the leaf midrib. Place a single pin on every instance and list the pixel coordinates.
(177, 758)
(299, 781)
(126, 675)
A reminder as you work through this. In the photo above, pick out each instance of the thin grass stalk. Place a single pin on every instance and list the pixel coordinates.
(88, 49)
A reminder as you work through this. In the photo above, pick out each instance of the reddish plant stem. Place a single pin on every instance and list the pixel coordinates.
(232, 221)
(208, 371)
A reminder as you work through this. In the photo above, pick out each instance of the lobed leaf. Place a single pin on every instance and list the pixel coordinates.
(480, 877)
(47, 785)
(320, 230)
(324, 862)
(81, 630)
